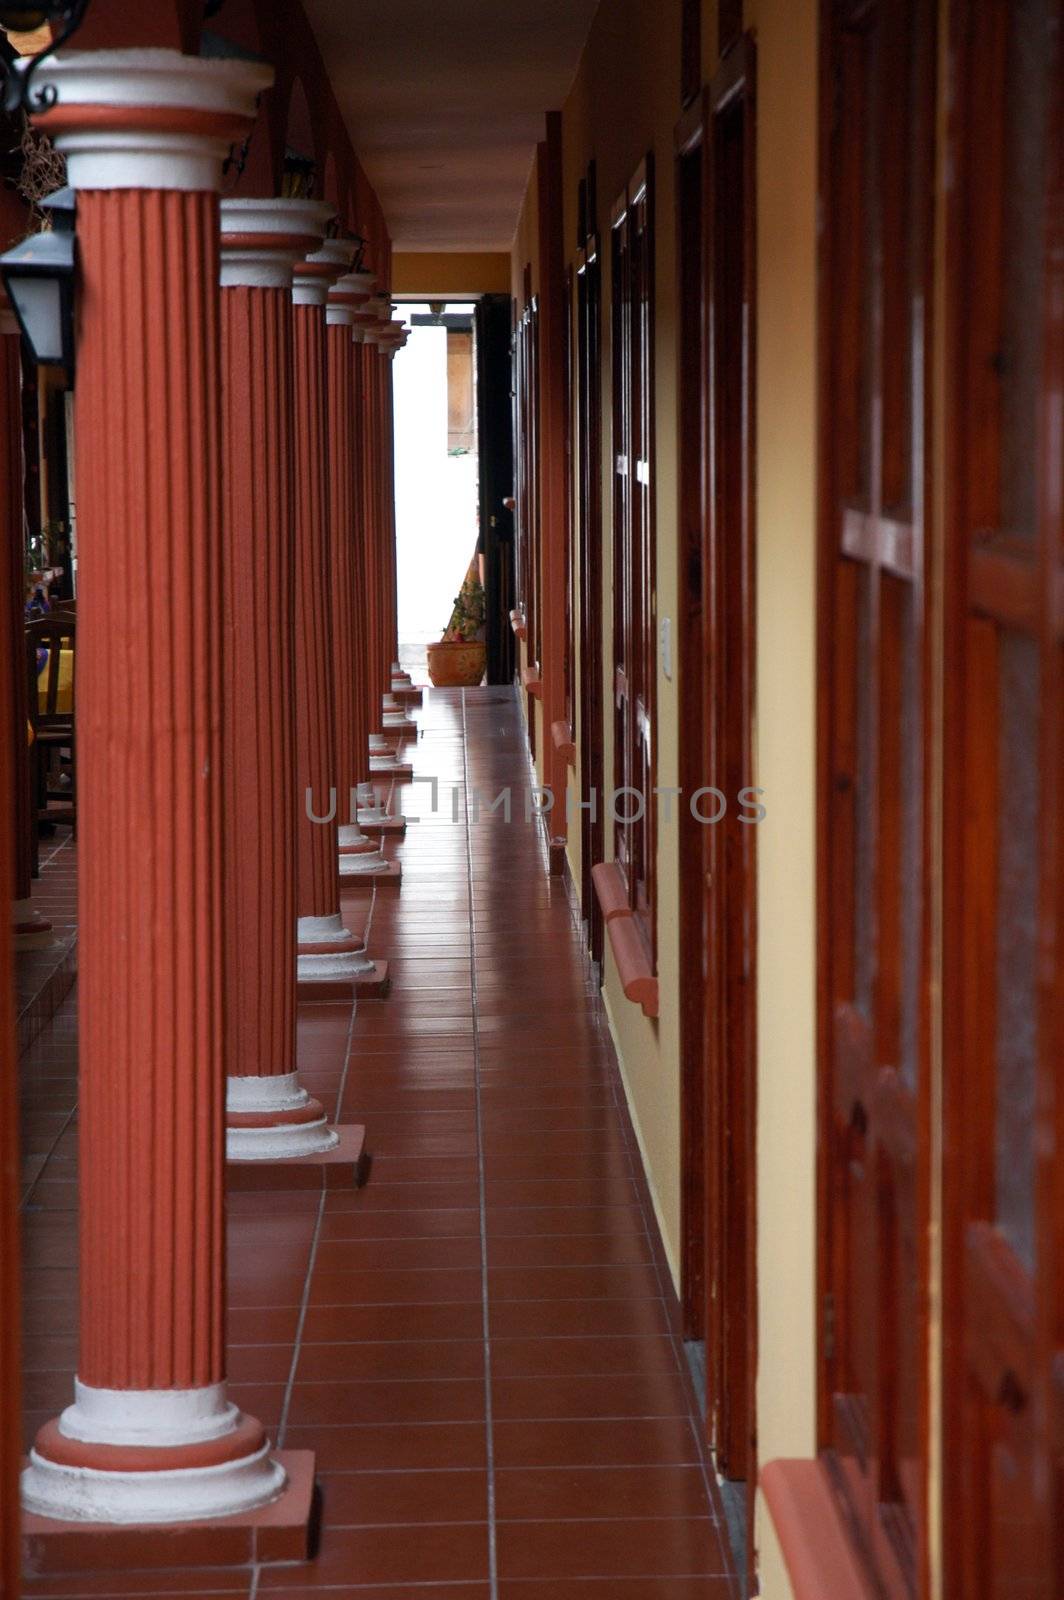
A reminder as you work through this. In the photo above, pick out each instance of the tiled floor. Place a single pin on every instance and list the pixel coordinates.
(477, 1344)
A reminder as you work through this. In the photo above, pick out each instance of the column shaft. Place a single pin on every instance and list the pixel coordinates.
(318, 884)
(259, 678)
(348, 709)
(150, 796)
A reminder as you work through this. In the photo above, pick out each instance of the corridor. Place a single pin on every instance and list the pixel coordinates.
(479, 1344)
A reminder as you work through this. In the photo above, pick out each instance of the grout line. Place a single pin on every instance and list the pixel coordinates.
(493, 1560)
(282, 1426)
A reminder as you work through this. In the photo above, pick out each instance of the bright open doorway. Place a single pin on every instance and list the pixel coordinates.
(436, 471)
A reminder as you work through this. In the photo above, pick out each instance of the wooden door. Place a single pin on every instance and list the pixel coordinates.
(716, 181)
(729, 846)
(1003, 1047)
(495, 477)
(588, 417)
(634, 558)
(877, 101)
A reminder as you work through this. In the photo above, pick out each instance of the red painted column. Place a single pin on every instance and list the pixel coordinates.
(382, 746)
(375, 749)
(327, 949)
(358, 853)
(395, 720)
(151, 1436)
(269, 1115)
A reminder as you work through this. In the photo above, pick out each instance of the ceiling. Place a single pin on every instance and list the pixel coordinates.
(444, 101)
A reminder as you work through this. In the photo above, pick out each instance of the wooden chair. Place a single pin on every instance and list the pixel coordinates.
(53, 751)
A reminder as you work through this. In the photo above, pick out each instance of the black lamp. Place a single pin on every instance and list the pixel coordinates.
(64, 17)
(39, 277)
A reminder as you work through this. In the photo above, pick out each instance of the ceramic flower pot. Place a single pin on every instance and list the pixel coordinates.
(457, 663)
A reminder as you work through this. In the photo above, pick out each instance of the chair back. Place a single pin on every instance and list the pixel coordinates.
(54, 634)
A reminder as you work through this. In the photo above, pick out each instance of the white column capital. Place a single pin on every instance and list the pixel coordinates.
(316, 274)
(262, 240)
(147, 119)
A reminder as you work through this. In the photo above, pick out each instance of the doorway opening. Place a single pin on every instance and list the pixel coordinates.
(436, 473)
(454, 479)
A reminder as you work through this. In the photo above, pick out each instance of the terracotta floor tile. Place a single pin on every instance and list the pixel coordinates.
(387, 1401)
(662, 1547)
(631, 1394)
(395, 1358)
(336, 1324)
(635, 1282)
(528, 1221)
(360, 1499)
(546, 1494)
(615, 1588)
(368, 1255)
(569, 1250)
(445, 1223)
(629, 1441)
(561, 1357)
(420, 1553)
(415, 1287)
(393, 1447)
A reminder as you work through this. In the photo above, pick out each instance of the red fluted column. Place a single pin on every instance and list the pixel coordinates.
(395, 717)
(12, 735)
(269, 1115)
(151, 1436)
(364, 329)
(359, 855)
(327, 949)
(382, 747)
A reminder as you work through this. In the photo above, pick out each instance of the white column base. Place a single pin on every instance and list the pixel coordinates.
(349, 833)
(277, 1094)
(320, 966)
(354, 863)
(372, 814)
(172, 1419)
(361, 863)
(280, 1141)
(369, 805)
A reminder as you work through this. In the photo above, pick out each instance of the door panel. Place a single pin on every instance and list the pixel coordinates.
(1004, 662)
(588, 414)
(875, 275)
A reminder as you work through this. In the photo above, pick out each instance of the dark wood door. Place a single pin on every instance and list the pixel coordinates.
(729, 845)
(876, 181)
(1003, 1048)
(634, 558)
(716, 185)
(588, 422)
(492, 319)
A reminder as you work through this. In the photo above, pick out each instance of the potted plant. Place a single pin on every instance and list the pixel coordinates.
(458, 659)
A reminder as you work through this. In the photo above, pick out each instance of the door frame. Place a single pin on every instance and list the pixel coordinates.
(587, 413)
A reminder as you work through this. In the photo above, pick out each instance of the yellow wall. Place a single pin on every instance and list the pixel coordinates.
(786, 716)
(626, 101)
(453, 273)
